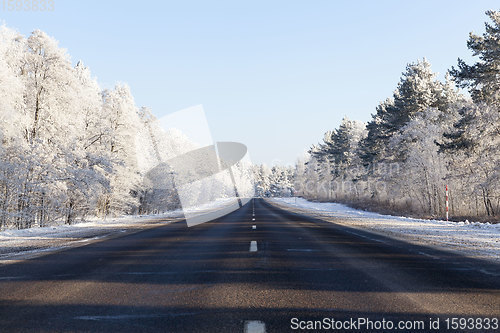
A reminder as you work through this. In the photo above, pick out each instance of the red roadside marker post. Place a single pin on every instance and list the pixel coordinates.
(446, 203)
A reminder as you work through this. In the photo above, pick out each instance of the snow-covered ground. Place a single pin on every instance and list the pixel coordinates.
(480, 240)
(26, 243)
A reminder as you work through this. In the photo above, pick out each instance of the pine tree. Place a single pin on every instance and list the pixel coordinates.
(417, 91)
(372, 146)
(483, 78)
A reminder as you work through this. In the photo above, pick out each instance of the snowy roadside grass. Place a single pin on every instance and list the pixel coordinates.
(479, 240)
(26, 243)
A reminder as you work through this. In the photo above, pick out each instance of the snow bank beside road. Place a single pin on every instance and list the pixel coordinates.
(480, 240)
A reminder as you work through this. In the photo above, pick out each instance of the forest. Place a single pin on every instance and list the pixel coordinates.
(70, 149)
(430, 134)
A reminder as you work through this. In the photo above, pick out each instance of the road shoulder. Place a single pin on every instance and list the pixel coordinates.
(474, 240)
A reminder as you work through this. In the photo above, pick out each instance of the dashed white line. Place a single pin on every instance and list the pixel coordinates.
(255, 326)
(13, 277)
(254, 227)
(253, 246)
(133, 316)
(484, 271)
(301, 250)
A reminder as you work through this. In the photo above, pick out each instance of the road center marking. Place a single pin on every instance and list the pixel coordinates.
(254, 227)
(301, 250)
(253, 246)
(255, 326)
(253, 219)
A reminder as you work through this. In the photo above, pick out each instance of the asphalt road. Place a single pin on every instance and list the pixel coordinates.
(206, 279)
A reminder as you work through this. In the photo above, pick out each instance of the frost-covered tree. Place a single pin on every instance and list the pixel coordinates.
(261, 174)
(11, 84)
(121, 117)
(281, 181)
(421, 177)
(483, 78)
(276, 181)
(50, 93)
(417, 90)
(474, 162)
(333, 161)
(477, 129)
(88, 162)
(345, 140)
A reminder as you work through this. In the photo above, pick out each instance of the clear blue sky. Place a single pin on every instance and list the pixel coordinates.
(274, 75)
